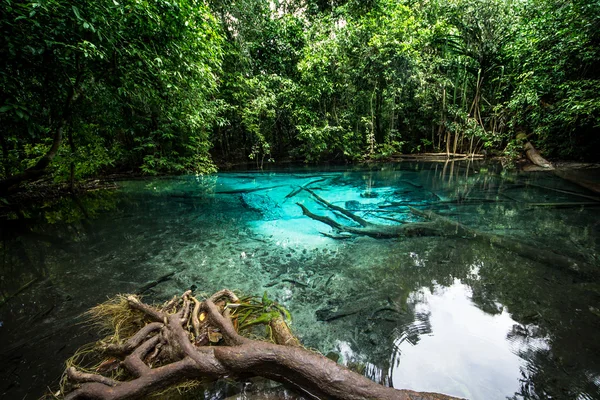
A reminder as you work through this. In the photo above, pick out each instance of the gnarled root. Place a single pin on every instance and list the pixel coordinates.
(176, 343)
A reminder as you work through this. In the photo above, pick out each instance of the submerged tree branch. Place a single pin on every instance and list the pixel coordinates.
(442, 226)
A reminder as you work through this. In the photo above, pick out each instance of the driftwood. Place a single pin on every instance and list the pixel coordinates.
(535, 157)
(187, 339)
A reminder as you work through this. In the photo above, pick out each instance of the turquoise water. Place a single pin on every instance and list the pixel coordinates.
(444, 313)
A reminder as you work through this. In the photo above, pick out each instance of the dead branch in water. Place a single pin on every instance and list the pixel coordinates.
(442, 226)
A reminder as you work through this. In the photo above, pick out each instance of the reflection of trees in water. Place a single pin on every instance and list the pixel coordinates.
(565, 364)
(38, 316)
(553, 307)
(379, 309)
(548, 375)
(33, 235)
(556, 334)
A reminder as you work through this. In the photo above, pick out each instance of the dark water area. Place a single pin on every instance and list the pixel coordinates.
(458, 314)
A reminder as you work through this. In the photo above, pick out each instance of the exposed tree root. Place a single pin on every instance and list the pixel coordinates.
(187, 339)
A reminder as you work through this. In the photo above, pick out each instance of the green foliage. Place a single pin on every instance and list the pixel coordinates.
(90, 157)
(142, 74)
(251, 312)
(163, 87)
(556, 76)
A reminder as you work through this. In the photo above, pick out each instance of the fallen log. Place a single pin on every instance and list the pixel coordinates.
(535, 253)
(444, 156)
(579, 178)
(187, 339)
(248, 190)
(23, 288)
(536, 158)
(569, 192)
(442, 226)
(571, 204)
(155, 283)
(368, 228)
(329, 315)
(298, 189)
(376, 230)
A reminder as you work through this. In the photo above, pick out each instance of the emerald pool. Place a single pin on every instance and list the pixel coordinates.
(448, 313)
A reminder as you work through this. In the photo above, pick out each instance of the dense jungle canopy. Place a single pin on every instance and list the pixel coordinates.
(93, 87)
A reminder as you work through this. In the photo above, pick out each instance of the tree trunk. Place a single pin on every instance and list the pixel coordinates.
(379, 133)
(39, 169)
(5, 155)
(535, 157)
(72, 166)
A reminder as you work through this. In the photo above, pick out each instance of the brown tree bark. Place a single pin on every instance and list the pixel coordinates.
(536, 158)
(169, 341)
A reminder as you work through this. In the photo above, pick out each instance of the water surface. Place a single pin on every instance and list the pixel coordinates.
(431, 313)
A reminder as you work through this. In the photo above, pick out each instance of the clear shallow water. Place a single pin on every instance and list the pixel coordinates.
(442, 313)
